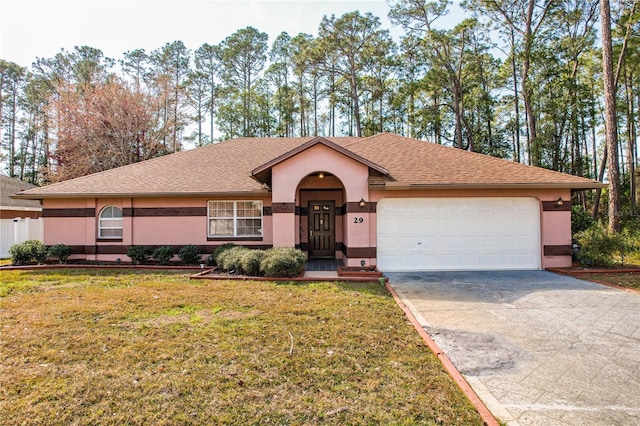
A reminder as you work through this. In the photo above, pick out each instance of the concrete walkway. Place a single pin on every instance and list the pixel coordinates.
(537, 348)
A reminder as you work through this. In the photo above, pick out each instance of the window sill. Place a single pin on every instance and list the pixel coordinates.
(234, 238)
(108, 240)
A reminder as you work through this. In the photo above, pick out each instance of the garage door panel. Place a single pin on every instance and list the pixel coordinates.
(458, 233)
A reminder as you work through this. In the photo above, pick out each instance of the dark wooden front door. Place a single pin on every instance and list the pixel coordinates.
(322, 231)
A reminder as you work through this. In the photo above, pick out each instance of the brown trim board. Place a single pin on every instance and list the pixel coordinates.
(163, 211)
(122, 249)
(82, 212)
(283, 208)
(558, 250)
(363, 252)
(550, 206)
(354, 207)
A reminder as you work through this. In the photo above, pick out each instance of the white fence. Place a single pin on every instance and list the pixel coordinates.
(13, 231)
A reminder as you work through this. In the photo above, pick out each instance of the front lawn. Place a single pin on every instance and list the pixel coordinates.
(114, 347)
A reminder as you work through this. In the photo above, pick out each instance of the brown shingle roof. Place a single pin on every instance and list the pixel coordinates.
(226, 167)
(9, 187)
(417, 163)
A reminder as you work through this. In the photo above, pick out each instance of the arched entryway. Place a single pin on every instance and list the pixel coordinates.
(321, 198)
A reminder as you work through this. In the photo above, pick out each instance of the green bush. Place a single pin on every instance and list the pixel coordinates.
(596, 246)
(282, 262)
(251, 262)
(627, 242)
(189, 255)
(580, 219)
(60, 252)
(221, 249)
(139, 254)
(231, 259)
(28, 252)
(163, 254)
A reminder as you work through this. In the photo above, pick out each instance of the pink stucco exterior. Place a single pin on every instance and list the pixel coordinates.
(296, 181)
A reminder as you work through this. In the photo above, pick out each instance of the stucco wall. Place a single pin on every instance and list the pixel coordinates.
(286, 179)
(294, 182)
(175, 221)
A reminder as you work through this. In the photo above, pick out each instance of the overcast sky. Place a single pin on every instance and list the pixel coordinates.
(41, 28)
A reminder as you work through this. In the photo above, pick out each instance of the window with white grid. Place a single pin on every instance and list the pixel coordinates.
(234, 219)
(110, 223)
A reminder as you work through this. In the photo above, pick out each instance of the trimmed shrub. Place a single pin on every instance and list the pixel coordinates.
(139, 254)
(60, 252)
(282, 262)
(28, 252)
(20, 254)
(221, 249)
(251, 262)
(231, 259)
(189, 255)
(163, 254)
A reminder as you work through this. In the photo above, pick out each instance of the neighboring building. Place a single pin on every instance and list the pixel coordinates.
(19, 218)
(387, 200)
(11, 208)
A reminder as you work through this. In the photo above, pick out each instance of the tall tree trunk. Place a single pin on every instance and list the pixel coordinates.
(611, 125)
(516, 100)
(356, 103)
(631, 135)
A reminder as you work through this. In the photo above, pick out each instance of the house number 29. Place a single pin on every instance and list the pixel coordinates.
(358, 219)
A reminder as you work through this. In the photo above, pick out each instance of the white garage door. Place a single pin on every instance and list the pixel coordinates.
(420, 234)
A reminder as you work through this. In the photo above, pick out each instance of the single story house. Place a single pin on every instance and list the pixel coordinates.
(386, 200)
(12, 208)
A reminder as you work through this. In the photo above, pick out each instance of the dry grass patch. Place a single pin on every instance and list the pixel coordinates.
(627, 279)
(147, 348)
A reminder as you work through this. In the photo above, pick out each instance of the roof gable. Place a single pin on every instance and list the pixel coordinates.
(262, 173)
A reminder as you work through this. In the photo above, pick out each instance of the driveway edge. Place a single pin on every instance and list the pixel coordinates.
(484, 412)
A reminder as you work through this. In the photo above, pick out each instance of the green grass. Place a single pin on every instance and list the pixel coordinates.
(102, 347)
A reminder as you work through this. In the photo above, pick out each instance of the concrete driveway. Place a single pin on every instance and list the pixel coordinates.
(538, 348)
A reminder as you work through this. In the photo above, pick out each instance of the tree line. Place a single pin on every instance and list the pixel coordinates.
(518, 79)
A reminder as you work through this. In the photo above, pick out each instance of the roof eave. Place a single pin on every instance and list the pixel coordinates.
(399, 186)
(261, 191)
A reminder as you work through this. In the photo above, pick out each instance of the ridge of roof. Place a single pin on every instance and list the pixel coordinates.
(228, 167)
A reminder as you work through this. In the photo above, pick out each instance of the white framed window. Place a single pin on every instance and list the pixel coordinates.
(235, 219)
(110, 223)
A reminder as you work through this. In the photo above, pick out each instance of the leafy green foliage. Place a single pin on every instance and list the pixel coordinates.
(627, 242)
(250, 262)
(580, 219)
(29, 251)
(139, 254)
(60, 252)
(189, 255)
(598, 247)
(231, 259)
(163, 254)
(221, 249)
(282, 262)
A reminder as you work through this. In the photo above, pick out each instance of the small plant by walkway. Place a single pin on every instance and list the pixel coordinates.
(116, 347)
